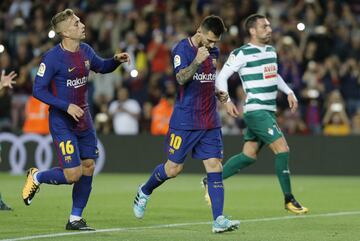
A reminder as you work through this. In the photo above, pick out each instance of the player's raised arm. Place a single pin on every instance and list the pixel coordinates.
(101, 65)
(42, 85)
(185, 74)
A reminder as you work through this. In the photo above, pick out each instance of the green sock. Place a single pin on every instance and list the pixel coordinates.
(282, 171)
(235, 164)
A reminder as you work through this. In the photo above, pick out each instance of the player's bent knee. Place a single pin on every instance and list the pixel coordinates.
(213, 165)
(88, 167)
(173, 169)
(73, 175)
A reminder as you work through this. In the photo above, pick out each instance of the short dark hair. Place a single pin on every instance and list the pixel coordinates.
(251, 21)
(214, 24)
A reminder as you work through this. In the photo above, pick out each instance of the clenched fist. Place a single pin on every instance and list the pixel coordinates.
(202, 54)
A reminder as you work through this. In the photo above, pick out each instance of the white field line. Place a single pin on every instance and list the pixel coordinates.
(53, 235)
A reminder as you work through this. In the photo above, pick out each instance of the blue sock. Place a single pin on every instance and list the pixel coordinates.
(80, 194)
(157, 178)
(53, 176)
(216, 193)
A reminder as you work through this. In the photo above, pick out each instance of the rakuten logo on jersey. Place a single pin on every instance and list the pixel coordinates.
(203, 78)
(76, 83)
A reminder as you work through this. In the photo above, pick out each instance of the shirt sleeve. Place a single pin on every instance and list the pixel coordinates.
(100, 65)
(283, 86)
(232, 65)
(180, 60)
(41, 88)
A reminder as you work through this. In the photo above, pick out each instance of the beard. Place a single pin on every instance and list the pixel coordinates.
(265, 40)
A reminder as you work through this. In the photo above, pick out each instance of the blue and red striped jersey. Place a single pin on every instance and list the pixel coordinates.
(62, 78)
(195, 106)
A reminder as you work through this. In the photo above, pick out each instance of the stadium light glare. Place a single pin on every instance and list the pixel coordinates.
(300, 26)
(234, 31)
(51, 34)
(2, 48)
(134, 73)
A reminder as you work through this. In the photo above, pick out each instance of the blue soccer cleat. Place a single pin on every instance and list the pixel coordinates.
(140, 202)
(222, 224)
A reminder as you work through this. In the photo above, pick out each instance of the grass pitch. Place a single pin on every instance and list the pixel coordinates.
(177, 211)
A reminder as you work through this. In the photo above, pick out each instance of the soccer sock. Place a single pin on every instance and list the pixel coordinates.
(157, 178)
(282, 171)
(235, 164)
(216, 193)
(80, 195)
(53, 176)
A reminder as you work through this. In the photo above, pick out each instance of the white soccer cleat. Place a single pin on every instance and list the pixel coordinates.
(140, 202)
(222, 224)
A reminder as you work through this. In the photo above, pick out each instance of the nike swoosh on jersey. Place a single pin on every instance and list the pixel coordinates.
(71, 69)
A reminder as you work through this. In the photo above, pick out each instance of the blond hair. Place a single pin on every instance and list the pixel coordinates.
(60, 17)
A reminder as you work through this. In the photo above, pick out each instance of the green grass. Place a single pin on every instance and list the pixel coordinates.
(250, 198)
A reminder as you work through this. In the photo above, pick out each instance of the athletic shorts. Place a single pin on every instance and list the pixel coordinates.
(203, 144)
(261, 127)
(72, 147)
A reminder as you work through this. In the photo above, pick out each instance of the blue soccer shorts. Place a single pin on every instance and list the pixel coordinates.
(203, 144)
(72, 147)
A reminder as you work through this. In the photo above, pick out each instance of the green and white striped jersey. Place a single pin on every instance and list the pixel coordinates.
(257, 68)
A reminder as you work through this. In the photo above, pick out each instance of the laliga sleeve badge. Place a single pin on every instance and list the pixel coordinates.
(177, 61)
(41, 70)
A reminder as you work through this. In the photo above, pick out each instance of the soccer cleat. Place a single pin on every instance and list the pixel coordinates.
(294, 207)
(140, 202)
(204, 184)
(3, 206)
(30, 187)
(222, 224)
(79, 225)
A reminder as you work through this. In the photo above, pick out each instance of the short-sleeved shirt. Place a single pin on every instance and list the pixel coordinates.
(195, 105)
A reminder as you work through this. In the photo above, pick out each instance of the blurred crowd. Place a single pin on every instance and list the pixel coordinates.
(318, 45)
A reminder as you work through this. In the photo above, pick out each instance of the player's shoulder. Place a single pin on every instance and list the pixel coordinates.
(270, 48)
(246, 49)
(181, 45)
(52, 54)
(85, 46)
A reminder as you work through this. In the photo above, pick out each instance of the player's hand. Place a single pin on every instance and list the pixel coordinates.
(75, 111)
(222, 96)
(231, 109)
(122, 57)
(7, 80)
(202, 54)
(293, 103)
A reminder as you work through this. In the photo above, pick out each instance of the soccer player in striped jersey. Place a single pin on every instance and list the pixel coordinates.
(194, 124)
(256, 64)
(61, 82)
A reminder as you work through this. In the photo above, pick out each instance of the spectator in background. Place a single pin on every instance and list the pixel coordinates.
(125, 113)
(160, 115)
(336, 121)
(355, 122)
(145, 118)
(350, 84)
(36, 117)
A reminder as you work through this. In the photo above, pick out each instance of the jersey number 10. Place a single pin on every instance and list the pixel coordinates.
(175, 141)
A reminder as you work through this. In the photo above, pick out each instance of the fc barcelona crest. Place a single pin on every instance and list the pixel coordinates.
(87, 64)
